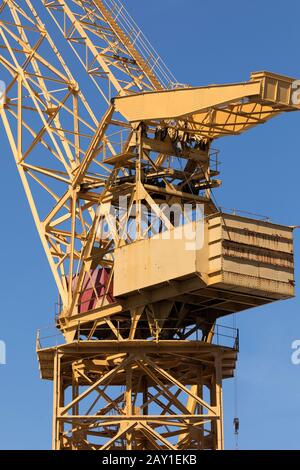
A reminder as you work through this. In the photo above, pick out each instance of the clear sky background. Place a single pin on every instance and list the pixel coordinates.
(203, 43)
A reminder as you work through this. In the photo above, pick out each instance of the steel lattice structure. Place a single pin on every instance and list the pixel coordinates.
(140, 368)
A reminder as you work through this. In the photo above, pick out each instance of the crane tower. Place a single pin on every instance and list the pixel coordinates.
(118, 163)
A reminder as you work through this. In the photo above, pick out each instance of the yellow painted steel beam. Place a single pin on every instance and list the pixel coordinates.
(215, 110)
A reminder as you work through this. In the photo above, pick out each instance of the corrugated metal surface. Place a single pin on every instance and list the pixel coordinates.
(239, 254)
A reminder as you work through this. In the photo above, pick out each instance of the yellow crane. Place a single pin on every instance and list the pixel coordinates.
(118, 164)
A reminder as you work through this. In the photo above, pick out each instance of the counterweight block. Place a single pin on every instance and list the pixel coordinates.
(240, 263)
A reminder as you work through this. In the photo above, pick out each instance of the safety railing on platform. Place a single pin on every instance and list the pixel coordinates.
(49, 337)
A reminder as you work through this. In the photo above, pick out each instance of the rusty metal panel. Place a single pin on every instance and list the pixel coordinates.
(152, 261)
(251, 255)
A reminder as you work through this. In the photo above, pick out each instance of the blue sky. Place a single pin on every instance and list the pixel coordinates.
(203, 43)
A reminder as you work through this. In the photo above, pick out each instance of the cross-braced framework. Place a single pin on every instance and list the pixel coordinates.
(95, 118)
(167, 400)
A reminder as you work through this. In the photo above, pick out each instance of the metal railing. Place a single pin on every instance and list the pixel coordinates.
(48, 337)
(141, 43)
(223, 335)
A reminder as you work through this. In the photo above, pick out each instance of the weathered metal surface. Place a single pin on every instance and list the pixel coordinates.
(75, 164)
(241, 254)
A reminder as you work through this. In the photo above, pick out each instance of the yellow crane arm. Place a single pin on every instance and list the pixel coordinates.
(215, 110)
(116, 54)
